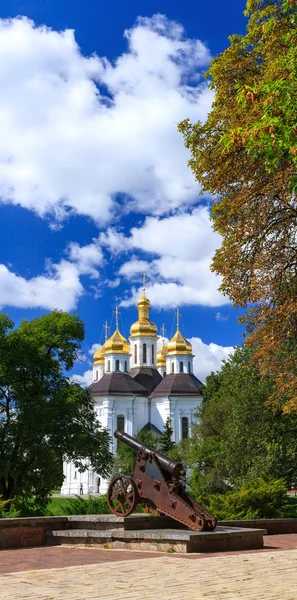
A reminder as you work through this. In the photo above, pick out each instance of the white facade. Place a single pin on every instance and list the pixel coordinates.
(143, 351)
(179, 363)
(132, 411)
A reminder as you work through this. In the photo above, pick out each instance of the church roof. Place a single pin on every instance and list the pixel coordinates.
(120, 384)
(116, 344)
(147, 377)
(179, 345)
(143, 326)
(150, 427)
(178, 384)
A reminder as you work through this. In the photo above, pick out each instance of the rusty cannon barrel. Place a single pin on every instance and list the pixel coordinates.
(173, 467)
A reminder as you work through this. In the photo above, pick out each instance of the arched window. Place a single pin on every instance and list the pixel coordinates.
(164, 374)
(144, 354)
(135, 353)
(189, 367)
(172, 367)
(126, 366)
(108, 365)
(120, 426)
(121, 423)
(181, 367)
(185, 428)
(117, 365)
(153, 354)
(96, 375)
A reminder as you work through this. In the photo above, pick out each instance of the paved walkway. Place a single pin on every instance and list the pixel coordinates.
(120, 575)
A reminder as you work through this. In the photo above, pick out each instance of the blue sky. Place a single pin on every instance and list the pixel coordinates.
(93, 174)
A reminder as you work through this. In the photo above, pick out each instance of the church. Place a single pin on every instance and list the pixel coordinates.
(136, 387)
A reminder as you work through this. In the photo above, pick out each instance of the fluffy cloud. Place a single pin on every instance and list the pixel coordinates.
(84, 380)
(208, 357)
(94, 129)
(87, 258)
(59, 287)
(93, 348)
(184, 245)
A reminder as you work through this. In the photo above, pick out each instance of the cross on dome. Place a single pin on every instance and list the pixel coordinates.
(178, 315)
(117, 313)
(106, 328)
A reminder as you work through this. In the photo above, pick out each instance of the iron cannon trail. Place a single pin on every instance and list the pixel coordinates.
(155, 482)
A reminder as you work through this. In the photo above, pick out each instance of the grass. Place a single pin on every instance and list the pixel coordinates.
(57, 507)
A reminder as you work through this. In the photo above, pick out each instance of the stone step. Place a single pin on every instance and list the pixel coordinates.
(96, 522)
(168, 540)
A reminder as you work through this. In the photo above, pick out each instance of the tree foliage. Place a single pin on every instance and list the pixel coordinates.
(43, 416)
(240, 438)
(245, 155)
(125, 459)
(165, 443)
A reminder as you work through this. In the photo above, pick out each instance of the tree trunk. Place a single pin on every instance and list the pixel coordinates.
(7, 491)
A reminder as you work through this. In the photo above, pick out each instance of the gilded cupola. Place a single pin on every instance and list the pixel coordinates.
(162, 352)
(178, 344)
(98, 356)
(143, 326)
(117, 343)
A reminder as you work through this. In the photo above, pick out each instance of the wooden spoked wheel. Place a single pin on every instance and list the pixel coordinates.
(121, 496)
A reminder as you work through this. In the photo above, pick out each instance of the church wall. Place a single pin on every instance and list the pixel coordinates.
(110, 363)
(151, 351)
(181, 364)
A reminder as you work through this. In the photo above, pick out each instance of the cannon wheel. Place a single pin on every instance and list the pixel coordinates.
(121, 496)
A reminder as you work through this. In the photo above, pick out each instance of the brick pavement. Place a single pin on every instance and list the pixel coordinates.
(72, 573)
(265, 575)
(28, 559)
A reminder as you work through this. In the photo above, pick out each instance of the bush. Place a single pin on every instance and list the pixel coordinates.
(259, 499)
(92, 506)
(4, 514)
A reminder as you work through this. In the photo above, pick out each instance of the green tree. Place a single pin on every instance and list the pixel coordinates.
(125, 459)
(43, 416)
(240, 438)
(245, 155)
(165, 442)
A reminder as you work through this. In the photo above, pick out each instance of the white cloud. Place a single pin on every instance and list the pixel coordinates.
(93, 348)
(184, 245)
(86, 258)
(219, 317)
(134, 267)
(59, 287)
(84, 380)
(208, 357)
(94, 129)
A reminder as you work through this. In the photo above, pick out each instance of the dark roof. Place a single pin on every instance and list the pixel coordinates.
(121, 384)
(150, 427)
(147, 377)
(178, 384)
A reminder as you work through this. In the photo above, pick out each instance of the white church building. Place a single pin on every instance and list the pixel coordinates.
(136, 387)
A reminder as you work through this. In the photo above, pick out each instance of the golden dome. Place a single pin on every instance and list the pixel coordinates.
(117, 344)
(179, 345)
(98, 356)
(143, 326)
(161, 356)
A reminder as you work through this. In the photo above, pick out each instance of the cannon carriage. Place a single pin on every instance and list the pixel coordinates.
(156, 483)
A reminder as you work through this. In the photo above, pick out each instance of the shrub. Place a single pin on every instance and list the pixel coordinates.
(93, 505)
(4, 514)
(258, 499)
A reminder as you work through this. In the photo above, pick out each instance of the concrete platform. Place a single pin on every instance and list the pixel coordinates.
(163, 540)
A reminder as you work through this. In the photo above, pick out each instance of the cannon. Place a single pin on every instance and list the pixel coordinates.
(156, 483)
